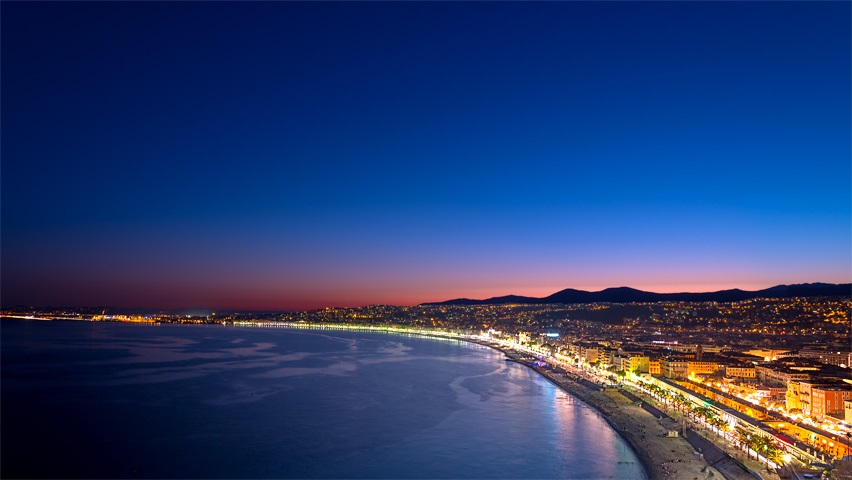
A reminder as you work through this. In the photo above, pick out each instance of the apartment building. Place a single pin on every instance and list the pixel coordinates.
(740, 371)
(675, 368)
(655, 367)
(829, 400)
(824, 355)
(847, 411)
(702, 367)
(780, 374)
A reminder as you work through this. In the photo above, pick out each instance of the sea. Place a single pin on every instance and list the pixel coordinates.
(121, 400)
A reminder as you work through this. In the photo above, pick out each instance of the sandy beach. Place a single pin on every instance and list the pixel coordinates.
(663, 456)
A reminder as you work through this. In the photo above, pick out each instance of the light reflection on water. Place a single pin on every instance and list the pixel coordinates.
(241, 402)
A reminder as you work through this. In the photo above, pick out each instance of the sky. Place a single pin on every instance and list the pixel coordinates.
(291, 156)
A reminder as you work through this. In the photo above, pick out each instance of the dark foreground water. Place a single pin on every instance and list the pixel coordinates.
(97, 400)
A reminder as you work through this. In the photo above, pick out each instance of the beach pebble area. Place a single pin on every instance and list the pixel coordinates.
(649, 432)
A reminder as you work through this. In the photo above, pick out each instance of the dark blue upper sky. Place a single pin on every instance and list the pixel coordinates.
(291, 155)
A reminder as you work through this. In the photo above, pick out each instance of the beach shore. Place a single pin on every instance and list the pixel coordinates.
(663, 456)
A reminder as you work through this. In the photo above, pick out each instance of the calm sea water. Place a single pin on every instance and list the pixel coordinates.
(98, 400)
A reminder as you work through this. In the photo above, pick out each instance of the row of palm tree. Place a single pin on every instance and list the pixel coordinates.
(759, 444)
(762, 444)
(711, 417)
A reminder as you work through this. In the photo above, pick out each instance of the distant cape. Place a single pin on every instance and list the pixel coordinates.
(628, 295)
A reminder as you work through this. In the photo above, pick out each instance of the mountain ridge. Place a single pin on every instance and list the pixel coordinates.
(629, 295)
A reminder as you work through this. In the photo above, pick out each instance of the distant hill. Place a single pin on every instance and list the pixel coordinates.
(628, 295)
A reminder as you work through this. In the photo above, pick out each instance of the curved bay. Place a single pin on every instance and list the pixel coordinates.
(166, 401)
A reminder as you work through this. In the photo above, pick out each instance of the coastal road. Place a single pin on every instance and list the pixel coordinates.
(714, 452)
(645, 427)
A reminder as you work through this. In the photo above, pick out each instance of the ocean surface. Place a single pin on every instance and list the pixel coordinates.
(117, 400)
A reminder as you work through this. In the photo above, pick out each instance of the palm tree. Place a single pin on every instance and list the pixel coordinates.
(758, 443)
(717, 422)
(707, 413)
(774, 454)
(744, 439)
(765, 446)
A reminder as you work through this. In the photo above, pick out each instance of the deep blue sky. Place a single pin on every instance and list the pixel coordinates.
(296, 155)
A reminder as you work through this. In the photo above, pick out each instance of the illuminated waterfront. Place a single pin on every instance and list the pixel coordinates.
(167, 401)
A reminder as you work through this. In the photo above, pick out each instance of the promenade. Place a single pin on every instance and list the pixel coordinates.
(717, 451)
(646, 429)
(694, 453)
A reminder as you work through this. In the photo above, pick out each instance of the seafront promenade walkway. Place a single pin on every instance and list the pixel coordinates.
(718, 451)
(691, 454)
(647, 430)
(665, 457)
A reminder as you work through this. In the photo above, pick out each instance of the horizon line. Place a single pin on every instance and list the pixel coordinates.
(352, 306)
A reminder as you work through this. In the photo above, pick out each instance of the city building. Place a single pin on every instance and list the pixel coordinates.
(793, 401)
(828, 400)
(740, 371)
(825, 355)
(654, 367)
(780, 373)
(768, 354)
(675, 368)
(702, 367)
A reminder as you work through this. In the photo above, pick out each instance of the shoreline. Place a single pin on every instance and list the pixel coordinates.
(661, 457)
(641, 454)
(583, 394)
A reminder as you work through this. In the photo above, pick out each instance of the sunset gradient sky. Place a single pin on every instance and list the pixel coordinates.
(292, 155)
